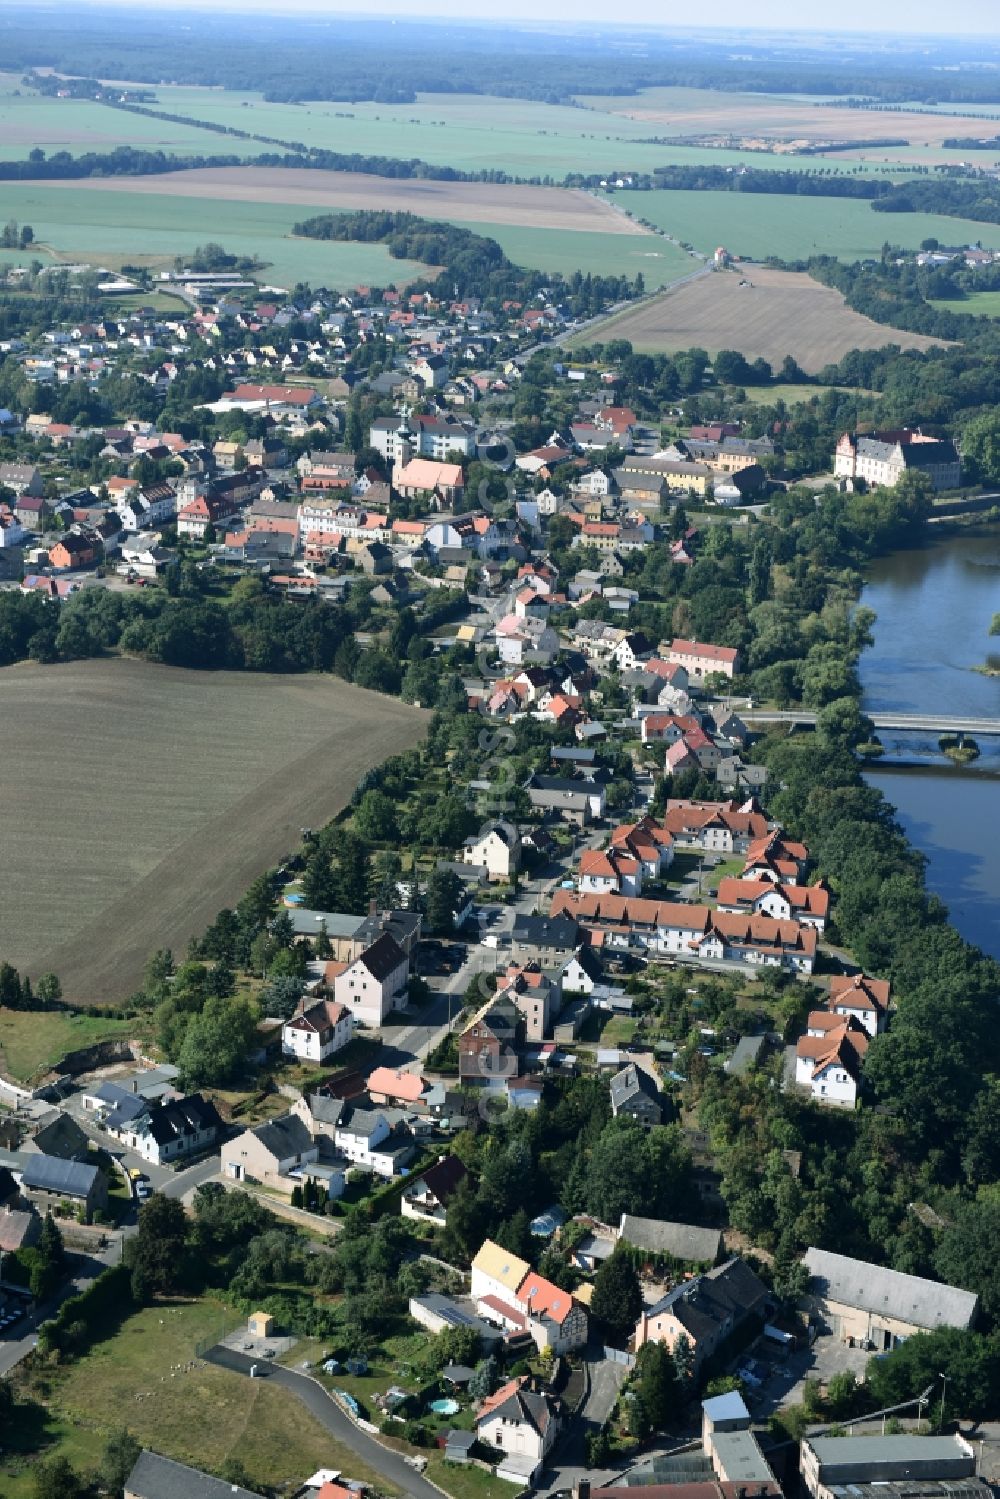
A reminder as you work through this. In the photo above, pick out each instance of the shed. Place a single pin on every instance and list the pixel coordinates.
(260, 1325)
(458, 1446)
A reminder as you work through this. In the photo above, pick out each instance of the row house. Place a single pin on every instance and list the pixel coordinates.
(676, 929)
(506, 1290)
(716, 827)
(807, 904)
(648, 842)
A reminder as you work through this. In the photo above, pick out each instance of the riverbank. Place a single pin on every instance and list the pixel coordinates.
(934, 607)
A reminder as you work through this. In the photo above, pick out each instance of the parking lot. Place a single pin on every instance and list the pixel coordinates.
(827, 1357)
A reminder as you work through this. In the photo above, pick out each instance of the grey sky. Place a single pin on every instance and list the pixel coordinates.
(908, 17)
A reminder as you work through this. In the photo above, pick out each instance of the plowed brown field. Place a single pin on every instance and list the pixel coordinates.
(142, 799)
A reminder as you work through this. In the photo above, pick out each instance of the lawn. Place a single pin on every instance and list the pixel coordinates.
(33, 1041)
(755, 225)
(795, 395)
(116, 881)
(147, 1376)
(116, 227)
(977, 303)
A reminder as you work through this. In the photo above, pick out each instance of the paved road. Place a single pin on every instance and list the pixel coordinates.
(383, 1459)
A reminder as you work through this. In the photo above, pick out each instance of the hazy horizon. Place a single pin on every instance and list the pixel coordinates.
(907, 18)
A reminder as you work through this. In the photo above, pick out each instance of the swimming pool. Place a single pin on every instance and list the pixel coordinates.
(446, 1407)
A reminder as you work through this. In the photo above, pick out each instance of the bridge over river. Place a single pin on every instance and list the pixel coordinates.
(927, 723)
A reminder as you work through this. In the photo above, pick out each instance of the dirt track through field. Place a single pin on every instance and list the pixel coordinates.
(778, 313)
(476, 202)
(149, 798)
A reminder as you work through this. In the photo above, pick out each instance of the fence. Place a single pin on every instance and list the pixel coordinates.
(619, 1356)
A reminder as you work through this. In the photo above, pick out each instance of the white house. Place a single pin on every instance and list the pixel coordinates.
(315, 1033)
(497, 1273)
(554, 1319)
(360, 1136)
(498, 848)
(427, 1198)
(375, 983)
(179, 1128)
(829, 1059)
(521, 1424)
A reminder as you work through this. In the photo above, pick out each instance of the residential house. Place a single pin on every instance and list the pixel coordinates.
(576, 801)
(374, 984)
(554, 1318)
(807, 904)
(45, 1179)
(428, 1196)
(488, 1046)
(861, 998)
(71, 551)
(269, 1152)
(544, 939)
(58, 1134)
(24, 479)
(612, 871)
(171, 1130)
(497, 848)
(702, 661)
(391, 1085)
(829, 1058)
(317, 1030)
(705, 1310)
(878, 1306)
(521, 1424)
(635, 1096)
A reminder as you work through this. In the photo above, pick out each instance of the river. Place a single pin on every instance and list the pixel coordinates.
(934, 608)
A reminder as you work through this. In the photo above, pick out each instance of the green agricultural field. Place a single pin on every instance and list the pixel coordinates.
(471, 132)
(977, 303)
(112, 228)
(792, 227)
(78, 125)
(567, 250)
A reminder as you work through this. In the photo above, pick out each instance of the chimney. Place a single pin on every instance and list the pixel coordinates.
(372, 909)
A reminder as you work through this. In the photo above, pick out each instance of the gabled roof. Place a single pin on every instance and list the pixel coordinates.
(155, 1477)
(444, 1178)
(50, 1174)
(284, 1137)
(630, 1083)
(682, 1241)
(888, 1293)
(394, 1083)
(499, 1264)
(383, 957)
(544, 1300)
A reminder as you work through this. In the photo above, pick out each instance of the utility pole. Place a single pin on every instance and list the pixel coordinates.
(944, 1390)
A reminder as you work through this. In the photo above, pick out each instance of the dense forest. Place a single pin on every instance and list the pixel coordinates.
(351, 59)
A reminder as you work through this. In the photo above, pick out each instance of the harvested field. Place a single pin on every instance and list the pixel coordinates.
(150, 797)
(477, 202)
(689, 112)
(782, 312)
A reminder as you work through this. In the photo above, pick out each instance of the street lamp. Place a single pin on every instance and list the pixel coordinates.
(944, 1390)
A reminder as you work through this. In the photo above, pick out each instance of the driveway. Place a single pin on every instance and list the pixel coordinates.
(605, 1380)
(384, 1460)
